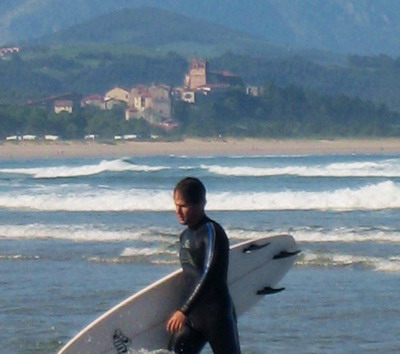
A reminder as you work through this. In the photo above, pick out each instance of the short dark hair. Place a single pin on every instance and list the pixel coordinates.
(192, 190)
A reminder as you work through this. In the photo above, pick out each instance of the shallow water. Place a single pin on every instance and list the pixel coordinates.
(79, 235)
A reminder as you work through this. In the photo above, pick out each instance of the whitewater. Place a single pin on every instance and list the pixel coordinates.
(79, 235)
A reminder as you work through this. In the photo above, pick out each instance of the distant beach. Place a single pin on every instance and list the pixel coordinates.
(196, 147)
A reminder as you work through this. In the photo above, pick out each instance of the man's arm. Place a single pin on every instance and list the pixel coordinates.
(209, 244)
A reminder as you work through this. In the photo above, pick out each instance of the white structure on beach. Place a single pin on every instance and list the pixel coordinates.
(29, 137)
(13, 138)
(51, 137)
(91, 137)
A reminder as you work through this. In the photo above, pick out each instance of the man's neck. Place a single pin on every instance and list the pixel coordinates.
(198, 221)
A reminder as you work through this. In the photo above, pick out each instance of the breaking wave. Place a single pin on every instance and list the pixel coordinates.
(87, 233)
(158, 239)
(379, 264)
(319, 235)
(378, 196)
(118, 165)
(386, 168)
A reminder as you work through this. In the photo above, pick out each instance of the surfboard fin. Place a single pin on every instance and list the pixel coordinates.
(269, 291)
(254, 247)
(286, 254)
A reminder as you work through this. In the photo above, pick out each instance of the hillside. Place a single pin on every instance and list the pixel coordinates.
(374, 78)
(276, 113)
(39, 72)
(365, 27)
(158, 29)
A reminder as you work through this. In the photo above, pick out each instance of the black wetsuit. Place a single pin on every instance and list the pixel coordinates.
(204, 257)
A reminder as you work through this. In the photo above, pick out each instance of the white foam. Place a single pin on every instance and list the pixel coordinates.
(118, 165)
(160, 238)
(348, 235)
(145, 351)
(17, 257)
(91, 200)
(315, 235)
(384, 195)
(146, 251)
(385, 168)
(379, 264)
(378, 196)
(83, 233)
(255, 168)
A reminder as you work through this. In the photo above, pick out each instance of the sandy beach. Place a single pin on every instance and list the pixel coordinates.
(195, 147)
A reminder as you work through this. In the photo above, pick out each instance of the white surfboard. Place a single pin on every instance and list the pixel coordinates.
(256, 267)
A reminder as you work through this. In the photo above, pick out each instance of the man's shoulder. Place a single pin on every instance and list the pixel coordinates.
(219, 230)
(182, 234)
(215, 223)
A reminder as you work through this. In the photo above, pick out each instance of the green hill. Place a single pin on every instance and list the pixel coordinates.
(42, 71)
(161, 30)
(363, 27)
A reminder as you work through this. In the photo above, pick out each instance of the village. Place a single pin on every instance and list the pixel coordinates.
(152, 103)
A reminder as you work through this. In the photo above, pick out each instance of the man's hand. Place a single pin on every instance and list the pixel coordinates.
(176, 322)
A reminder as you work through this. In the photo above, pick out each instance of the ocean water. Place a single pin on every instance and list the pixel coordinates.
(77, 236)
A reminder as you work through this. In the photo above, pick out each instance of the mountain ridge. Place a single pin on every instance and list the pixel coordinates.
(364, 27)
(161, 30)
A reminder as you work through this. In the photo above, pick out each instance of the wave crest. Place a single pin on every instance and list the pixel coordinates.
(386, 168)
(379, 196)
(379, 264)
(118, 165)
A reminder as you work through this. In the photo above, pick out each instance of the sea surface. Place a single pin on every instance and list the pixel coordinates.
(77, 236)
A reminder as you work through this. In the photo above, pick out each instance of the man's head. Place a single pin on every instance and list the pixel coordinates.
(190, 200)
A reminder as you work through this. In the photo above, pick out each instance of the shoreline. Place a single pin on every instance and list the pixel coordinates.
(195, 147)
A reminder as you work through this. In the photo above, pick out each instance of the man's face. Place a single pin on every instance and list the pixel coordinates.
(188, 214)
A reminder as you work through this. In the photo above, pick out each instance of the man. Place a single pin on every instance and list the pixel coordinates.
(207, 314)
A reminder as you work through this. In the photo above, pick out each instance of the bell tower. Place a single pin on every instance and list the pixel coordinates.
(197, 74)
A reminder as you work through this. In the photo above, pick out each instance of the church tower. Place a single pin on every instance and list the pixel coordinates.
(197, 74)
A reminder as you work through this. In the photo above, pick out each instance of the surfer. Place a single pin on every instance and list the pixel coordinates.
(207, 314)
